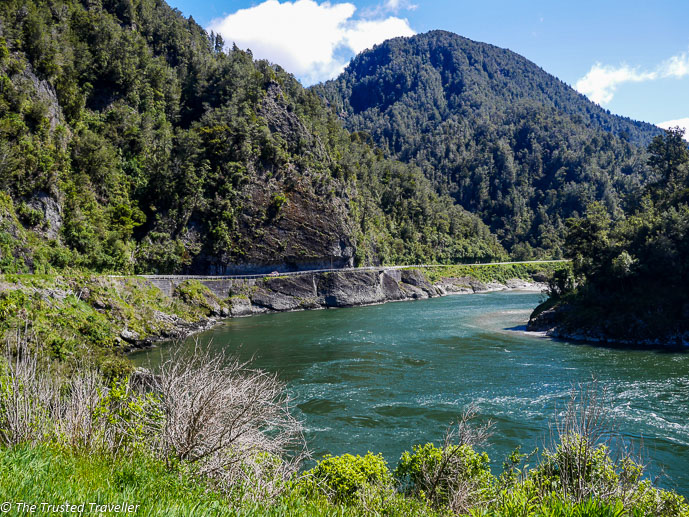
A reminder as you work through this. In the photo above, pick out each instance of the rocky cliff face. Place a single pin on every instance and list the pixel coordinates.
(329, 290)
(289, 216)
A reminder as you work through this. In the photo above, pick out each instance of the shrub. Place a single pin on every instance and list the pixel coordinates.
(454, 475)
(128, 420)
(228, 422)
(560, 282)
(276, 203)
(29, 216)
(195, 294)
(212, 415)
(343, 478)
(579, 467)
(38, 404)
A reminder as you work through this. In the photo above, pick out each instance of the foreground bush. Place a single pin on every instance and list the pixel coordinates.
(232, 423)
(40, 402)
(342, 478)
(453, 476)
(579, 467)
(214, 417)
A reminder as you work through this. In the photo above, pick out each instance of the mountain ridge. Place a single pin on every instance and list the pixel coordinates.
(490, 128)
(595, 112)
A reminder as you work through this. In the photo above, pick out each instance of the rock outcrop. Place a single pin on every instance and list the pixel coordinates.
(327, 290)
(555, 320)
(323, 290)
(52, 214)
(333, 289)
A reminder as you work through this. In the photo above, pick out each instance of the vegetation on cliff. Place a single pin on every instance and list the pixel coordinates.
(540, 272)
(630, 272)
(505, 139)
(87, 318)
(131, 141)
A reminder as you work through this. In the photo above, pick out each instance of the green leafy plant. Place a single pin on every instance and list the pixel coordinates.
(454, 475)
(342, 478)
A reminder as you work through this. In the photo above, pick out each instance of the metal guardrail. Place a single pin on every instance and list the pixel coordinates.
(336, 270)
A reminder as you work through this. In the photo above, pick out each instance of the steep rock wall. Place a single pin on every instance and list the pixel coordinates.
(312, 291)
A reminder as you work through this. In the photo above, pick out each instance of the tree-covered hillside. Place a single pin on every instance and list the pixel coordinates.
(131, 141)
(507, 140)
(631, 275)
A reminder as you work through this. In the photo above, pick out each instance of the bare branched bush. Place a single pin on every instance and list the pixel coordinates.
(466, 485)
(467, 432)
(580, 460)
(27, 397)
(228, 422)
(75, 424)
(232, 423)
(587, 414)
(455, 475)
(40, 404)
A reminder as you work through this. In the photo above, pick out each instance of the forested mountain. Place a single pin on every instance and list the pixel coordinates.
(490, 128)
(131, 141)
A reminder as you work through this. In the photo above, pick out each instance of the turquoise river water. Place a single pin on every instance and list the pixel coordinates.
(386, 377)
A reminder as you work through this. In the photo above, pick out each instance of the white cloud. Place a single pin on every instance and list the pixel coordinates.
(681, 122)
(305, 37)
(676, 66)
(388, 6)
(397, 5)
(367, 33)
(601, 82)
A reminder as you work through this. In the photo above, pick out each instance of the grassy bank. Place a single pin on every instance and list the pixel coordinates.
(52, 474)
(78, 316)
(501, 273)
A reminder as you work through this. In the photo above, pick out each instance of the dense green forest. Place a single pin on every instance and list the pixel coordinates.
(505, 139)
(630, 272)
(132, 141)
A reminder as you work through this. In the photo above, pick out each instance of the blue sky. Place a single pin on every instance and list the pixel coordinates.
(632, 57)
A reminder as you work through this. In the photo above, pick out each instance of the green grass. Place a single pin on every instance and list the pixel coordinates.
(36, 474)
(50, 474)
(45, 474)
(495, 272)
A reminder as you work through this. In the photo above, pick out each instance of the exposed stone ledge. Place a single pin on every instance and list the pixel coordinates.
(552, 322)
(346, 289)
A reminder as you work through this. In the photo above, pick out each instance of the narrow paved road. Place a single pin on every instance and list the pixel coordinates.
(351, 269)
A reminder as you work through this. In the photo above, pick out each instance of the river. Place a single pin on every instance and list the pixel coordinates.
(386, 377)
